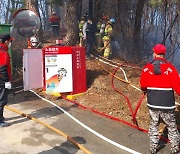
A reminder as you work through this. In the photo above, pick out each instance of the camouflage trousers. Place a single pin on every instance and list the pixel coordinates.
(168, 117)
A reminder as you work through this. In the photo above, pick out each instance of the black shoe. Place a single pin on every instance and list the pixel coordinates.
(2, 119)
(4, 124)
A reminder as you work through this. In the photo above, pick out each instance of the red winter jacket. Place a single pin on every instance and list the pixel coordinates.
(5, 59)
(54, 20)
(160, 79)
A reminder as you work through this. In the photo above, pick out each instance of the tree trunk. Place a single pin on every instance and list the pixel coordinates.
(85, 6)
(35, 7)
(7, 12)
(71, 21)
(137, 30)
(47, 17)
(97, 9)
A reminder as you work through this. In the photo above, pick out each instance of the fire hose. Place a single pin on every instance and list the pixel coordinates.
(85, 126)
(101, 48)
(118, 65)
(133, 114)
(50, 127)
(111, 117)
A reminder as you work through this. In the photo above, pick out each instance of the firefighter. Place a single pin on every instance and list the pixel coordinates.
(108, 37)
(81, 23)
(5, 74)
(55, 24)
(100, 32)
(160, 79)
(88, 35)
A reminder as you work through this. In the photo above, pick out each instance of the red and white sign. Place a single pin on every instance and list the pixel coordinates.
(64, 69)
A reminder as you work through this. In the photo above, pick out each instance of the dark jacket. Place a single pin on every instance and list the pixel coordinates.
(160, 79)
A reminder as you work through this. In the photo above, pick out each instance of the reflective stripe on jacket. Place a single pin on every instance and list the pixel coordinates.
(108, 32)
(160, 85)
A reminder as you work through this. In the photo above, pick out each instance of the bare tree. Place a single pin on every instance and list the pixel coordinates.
(139, 23)
(71, 22)
(137, 30)
(7, 12)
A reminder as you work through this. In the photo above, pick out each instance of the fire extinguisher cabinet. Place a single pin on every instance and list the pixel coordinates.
(64, 70)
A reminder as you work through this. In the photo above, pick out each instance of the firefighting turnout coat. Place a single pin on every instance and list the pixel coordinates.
(159, 79)
(5, 67)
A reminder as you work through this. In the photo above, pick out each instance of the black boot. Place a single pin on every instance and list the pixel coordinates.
(4, 124)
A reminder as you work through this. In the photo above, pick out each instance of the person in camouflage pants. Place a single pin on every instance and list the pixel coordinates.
(160, 79)
(168, 117)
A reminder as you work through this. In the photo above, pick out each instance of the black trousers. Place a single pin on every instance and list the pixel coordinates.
(55, 31)
(3, 100)
(89, 45)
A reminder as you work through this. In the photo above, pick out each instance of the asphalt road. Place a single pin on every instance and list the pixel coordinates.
(25, 136)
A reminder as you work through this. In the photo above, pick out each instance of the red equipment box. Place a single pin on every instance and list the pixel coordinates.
(64, 69)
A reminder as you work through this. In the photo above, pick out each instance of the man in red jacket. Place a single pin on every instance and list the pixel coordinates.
(160, 79)
(55, 24)
(5, 74)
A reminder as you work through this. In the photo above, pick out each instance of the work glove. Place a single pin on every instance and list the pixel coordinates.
(8, 85)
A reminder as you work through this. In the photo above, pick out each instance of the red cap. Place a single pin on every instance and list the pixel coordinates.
(159, 49)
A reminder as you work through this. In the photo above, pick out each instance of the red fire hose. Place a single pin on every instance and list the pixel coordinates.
(133, 114)
(114, 118)
(127, 99)
(137, 107)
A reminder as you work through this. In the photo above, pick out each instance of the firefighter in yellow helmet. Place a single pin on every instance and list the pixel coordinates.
(108, 34)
